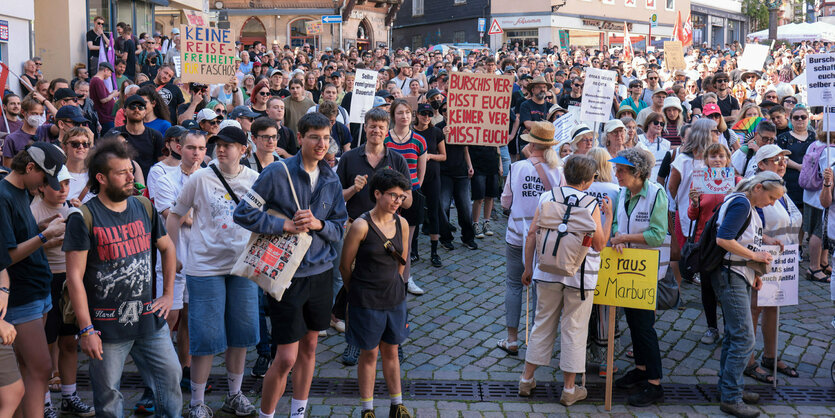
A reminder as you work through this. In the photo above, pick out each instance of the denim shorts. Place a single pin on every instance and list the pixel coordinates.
(222, 312)
(31, 311)
(366, 327)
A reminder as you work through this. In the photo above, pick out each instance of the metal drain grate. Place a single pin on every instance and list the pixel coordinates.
(507, 391)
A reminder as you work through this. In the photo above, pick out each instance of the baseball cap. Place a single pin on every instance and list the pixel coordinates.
(63, 93)
(175, 31)
(175, 131)
(190, 124)
(50, 159)
(613, 124)
(768, 151)
(135, 98)
(425, 107)
(229, 122)
(432, 93)
(242, 112)
(275, 71)
(64, 174)
(379, 101)
(230, 134)
(710, 109)
(383, 93)
(72, 113)
(206, 114)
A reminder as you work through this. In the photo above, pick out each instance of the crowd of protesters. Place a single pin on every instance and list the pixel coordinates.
(129, 196)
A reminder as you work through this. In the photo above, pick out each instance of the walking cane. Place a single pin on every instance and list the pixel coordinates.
(527, 311)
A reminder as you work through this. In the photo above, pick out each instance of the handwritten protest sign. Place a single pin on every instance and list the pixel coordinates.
(196, 18)
(712, 180)
(479, 108)
(562, 127)
(629, 280)
(674, 55)
(365, 85)
(207, 54)
(313, 27)
(820, 77)
(598, 91)
(780, 285)
(753, 57)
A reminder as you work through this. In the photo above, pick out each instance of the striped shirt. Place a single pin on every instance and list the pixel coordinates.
(411, 150)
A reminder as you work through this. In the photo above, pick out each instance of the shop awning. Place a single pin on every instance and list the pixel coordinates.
(799, 32)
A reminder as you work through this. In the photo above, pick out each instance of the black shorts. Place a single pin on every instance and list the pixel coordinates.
(414, 214)
(484, 185)
(55, 326)
(366, 327)
(305, 306)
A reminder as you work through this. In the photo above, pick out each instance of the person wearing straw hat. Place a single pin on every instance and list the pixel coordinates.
(525, 182)
(565, 302)
(534, 109)
(626, 110)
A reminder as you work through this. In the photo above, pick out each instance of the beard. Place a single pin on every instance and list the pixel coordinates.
(117, 194)
(540, 95)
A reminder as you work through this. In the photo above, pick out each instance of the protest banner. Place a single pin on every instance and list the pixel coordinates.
(313, 27)
(562, 127)
(780, 285)
(362, 99)
(479, 108)
(820, 77)
(628, 280)
(207, 55)
(178, 65)
(753, 57)
(674, 56)
(712, 180)
(598, 91)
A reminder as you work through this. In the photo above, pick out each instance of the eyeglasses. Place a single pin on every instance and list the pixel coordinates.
(263, 93)
(220, 112)
(427, 114)
(397, 197)
(213, 122)
(79, 144)
(768, 139)
(790, 101)
(579, 86)
(136, 106)
(800, 117)
(781, 159)
(657, 123)
(38, 64)
(99, 23)
(267, 137)
(652, 78)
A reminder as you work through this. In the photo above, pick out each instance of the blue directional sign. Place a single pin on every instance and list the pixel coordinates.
(482, 22)
(332, 19)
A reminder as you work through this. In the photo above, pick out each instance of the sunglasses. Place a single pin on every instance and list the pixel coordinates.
(213, 122)
(779, 159)
(579, 86)
(263, 93)
(220, 112)
(79, 144)
(135, 106)
(800, 117)
(427, 114)
(652, 78)
(397, 197)
(790, 101)
(657, 123)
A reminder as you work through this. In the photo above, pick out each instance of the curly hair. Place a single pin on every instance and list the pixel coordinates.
(642, 160)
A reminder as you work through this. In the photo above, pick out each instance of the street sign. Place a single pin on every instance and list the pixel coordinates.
(653, 20)
(482, 22)
(332, 19)
(495, 29)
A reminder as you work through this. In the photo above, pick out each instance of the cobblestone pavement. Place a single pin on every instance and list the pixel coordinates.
(455, 325)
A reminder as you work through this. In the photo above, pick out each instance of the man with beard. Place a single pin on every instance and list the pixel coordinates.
(11, 120)
(146, 142)
(170, 93)
(109, 280)
(534, 109)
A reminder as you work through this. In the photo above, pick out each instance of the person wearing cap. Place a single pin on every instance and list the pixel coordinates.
(525, 181)
(615, 137)
(48, 204)
(635, 100)
(278, 81)
(306, 306)
(727, 103)
(712, 111)
(582, 139)
(533, 110)
(216, 325)
(68, 117)
(103, 100)
(436, 99)
(742, 159)
(30, 277)
(146, 142)
(244, 116)
(565, 302)
(64, 97)
(641, 222)
(656, 105)
(653, 141)
(626, 111)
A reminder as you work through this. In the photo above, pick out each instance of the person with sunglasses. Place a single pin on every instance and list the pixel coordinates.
(726, 101)
(742, 160)
(95, 37)
(208, 121)
(652, 140)
(652, 80)
(740, 233)
(76, 144)
(796, 137)
(146, 142)
(789, 102)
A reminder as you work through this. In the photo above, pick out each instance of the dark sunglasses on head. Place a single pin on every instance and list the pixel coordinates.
(135, 106)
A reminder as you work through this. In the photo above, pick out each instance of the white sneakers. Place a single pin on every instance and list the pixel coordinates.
(413, 288)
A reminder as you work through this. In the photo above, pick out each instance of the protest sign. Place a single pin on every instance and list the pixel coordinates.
(196, 18)
(178, 65)
(479, 108)
(362, 99)
(313, 27)
(674, 56)
(753, 57)
(780, 285)
(598, 92)
(207, 55)
(712, 180)
(629, 280)
(562, 127)
(820, 77)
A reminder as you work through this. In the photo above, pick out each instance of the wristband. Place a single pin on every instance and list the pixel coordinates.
(4, 290)
(43, 238)
(827, 185)
(84, 331)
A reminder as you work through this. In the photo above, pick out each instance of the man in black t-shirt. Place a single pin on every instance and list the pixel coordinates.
(532, 110)
(94, 38)
(109, 277)
(147, 143)
(170, 93)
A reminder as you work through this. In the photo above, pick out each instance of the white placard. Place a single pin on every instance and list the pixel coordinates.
(365, 86)
(753, 57)
(562, 127)
(780, 286)
(820, 79)
(712, 180)
(177, 64)
(598, 92)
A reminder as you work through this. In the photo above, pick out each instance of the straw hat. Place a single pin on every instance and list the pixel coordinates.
(541, 133)
(539, 80)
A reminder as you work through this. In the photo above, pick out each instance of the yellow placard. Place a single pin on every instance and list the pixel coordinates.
(629, 280)
(313, 27)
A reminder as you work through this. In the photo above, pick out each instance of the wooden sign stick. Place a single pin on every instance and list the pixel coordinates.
(610, 357)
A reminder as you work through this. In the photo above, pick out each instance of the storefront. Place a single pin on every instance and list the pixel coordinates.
(717, 27)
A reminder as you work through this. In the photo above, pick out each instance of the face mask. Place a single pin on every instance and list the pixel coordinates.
(436, 104)
(35, 120)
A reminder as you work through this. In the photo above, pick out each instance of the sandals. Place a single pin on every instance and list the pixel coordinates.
(813, 276)
(508, 347)
(55, 382)
(768, 364)
(751, 371)
(827, 269)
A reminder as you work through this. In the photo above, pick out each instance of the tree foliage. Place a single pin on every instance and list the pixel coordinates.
(757, 11)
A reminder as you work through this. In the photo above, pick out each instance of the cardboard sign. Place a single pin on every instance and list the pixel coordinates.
(710, 180)
(820, 79)
(365, 85)
(207, 55)
(780, 286)
(598, 91)
(313, 27)
(196, 18)
(479, 108)
(178, 65)
(562, 127)
(753, 57)
(629, 280)
(674, 56)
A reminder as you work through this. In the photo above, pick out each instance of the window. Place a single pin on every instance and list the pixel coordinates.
(671, 4)
(417, 7)
(100, 8)
(459, 36)
(299, 36)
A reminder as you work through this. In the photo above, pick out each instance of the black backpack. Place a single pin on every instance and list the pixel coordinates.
(707, 257)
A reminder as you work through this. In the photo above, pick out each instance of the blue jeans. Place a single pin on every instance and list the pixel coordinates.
(734, 293)
(457, 188)
(505, 160)
(222, 312)
(514, 297)
(153, 353)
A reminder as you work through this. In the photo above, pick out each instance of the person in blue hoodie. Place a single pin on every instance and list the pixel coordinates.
(305, 308)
